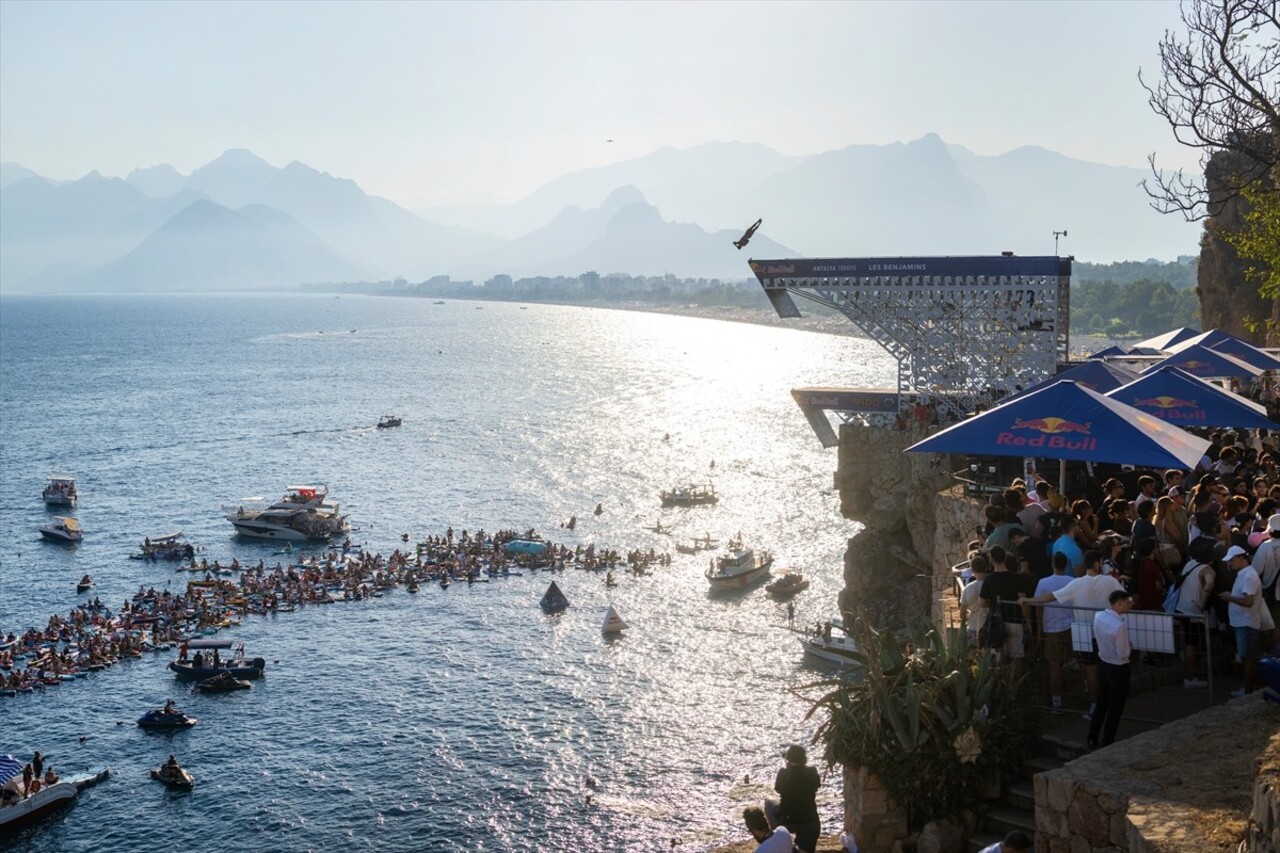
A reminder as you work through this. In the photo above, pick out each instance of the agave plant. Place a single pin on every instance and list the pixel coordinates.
(934, 719)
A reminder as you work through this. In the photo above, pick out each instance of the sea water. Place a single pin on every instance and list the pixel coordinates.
(453, 719)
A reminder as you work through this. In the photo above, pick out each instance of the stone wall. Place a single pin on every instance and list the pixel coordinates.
(1187, 787)
(869, 813)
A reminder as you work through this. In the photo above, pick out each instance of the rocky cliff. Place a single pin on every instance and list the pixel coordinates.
(1227, 300)
(894, 567)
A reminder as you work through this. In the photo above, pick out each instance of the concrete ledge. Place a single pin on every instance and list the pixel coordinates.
(1187, 786)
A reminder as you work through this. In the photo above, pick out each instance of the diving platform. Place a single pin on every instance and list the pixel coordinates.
(965, 331)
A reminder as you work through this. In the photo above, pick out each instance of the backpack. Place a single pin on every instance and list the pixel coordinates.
(1174, 592)
(994, 632)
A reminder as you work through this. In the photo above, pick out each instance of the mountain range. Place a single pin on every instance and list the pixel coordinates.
(240, 222)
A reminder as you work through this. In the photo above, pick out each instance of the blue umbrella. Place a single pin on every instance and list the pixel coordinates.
(1176, 396)
(1100, 376)
(1220, 341)
(1168, 340)
(1109, 351)
(1068, 421)
(1200, 360)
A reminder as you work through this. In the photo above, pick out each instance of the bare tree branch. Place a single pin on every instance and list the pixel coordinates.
(1219, 91)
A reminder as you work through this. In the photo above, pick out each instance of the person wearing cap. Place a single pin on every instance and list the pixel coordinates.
(797, 786)
(1266, 562)
(1244, 612)
(770, 837)
(1111, 633)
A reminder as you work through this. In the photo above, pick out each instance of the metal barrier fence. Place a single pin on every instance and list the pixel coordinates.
(1169, 652)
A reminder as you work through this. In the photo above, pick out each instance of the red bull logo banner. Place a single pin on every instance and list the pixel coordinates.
(1053, 433)
(1172, 408)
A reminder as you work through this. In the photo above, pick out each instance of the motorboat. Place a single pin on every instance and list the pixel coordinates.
(553, 601)
(223, 682)
(62, 529)
(173, 776)
(47, 800)
(613, 623)
(59, 490)
(738, 568)
(690, 495)
(303, 514)
(832, 647)
(166, 546)
(166, 720)
(186, 670)
(789, 584)
(388, 422)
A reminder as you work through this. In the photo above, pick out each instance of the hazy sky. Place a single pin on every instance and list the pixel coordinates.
(438, 100)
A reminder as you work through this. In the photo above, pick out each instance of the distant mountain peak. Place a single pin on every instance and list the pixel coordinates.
(621, 197)
(239, 157)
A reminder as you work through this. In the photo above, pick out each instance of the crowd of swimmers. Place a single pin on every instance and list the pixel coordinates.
(91, 637)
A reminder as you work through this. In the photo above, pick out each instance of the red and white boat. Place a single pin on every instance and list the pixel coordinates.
(740, 567)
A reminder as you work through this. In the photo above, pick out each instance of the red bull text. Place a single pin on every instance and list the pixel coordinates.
(1054, 434)
(1172, 408)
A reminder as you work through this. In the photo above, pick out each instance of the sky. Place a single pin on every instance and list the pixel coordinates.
(425, 102)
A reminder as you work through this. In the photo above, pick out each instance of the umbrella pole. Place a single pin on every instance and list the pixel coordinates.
(1062, 478)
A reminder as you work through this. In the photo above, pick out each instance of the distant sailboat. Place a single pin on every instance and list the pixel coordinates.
(613, 623)
(554, 600)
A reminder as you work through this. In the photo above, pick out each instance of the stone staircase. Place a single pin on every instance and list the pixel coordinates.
(1016, 808)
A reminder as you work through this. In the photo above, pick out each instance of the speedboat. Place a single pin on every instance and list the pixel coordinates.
(161, 719)
(738, 568)
(789, 584)
(690, 495)
(835, 648)
(173, 776)
(45, 801)
(223, 682)
(303, 514)
(62, 529)
(388, 421)
(59, 490)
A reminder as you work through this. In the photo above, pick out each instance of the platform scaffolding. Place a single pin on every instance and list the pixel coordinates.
(965, 331)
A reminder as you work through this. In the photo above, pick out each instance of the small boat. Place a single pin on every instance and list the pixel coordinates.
(613, 623)
(658, 528)
(60, 490)
(166, 546)
(789, 584)
(239, 668)
(388, 421)
(223, 682)
(85, 584)
(31, 809)
(704, 543)
(740, 567)
(832, 647)
(169, 720)
(62, 529)
(553, 601)
(173, 776)
(690, 495)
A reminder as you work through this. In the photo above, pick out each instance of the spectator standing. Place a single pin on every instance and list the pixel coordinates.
(1111, 634)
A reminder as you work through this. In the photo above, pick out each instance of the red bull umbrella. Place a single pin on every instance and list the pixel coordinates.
(1200, 360)
(1177, 397)
(1167, 341)
(1068, 421)
(1100, 376)
(1220, 341)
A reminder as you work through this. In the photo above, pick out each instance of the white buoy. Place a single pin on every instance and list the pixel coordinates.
(613, 623)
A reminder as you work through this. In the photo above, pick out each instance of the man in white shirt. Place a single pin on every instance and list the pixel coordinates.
(772, 839)
(973, 610)
(1244, 611)
(1090, 593)
(1111, 634)
(1266, 562)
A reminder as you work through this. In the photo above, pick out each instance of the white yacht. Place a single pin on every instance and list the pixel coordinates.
(304, 513)
(59, 490)
(62, 529)
(739, 567)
